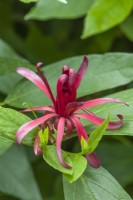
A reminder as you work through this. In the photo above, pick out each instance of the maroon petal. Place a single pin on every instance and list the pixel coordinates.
(60, 96)
(79, 127)
(34, 78)
(45, 82)
(60, 133)
(72, 107)
(69, 126)
(72, 85)
(97, 120)
(37, 149)
(45, 108)
(93, 160)
(65, 70)
(81, 71)
(23, 130)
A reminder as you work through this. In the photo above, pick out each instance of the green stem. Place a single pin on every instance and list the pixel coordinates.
(33, 112)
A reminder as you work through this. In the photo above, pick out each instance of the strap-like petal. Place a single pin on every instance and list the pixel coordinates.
(93, 160)
(71, 107)
(69, 126)
(60, 133)
(37, 148)
(45, 82)
(97, 120)
(72, 85)
(34, 78)
(81, 71)
(79, 127)
(45, 108)
(24, 129)
(60, 95)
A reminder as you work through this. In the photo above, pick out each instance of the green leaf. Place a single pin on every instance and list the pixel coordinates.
(94, 184)
(127, 27)
(45, 10)
(77, 162)
(4, 144)
(16, 175)
(50, 156)
(8, 81)
(9, 62)
(104, 15)
(101, 70)
(10, 121)
(79, 165)
(84, 145)
(28, 1)
(118, 160)
(96, 136)
(44, 135)
(114, 109)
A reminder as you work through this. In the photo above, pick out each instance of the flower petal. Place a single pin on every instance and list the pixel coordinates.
(34, 78)
(92, 157)
(72, 107)
(69, 126)
(81, 71)
(97, 120)
(24, 129)
(37, 149)
(45, 108)
(45, 82)
(60, 133)
(60, 95)
(79, 127)
(93, 160)
(72, 86)
(65, 70)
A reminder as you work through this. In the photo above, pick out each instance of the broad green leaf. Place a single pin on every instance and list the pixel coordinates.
(97, 78)
(28, 1)
(10, 121)
(95, 137)
(118, 160)
(16, 175)
(4, 144)
(94, 184)
(104, 15)
(77, 162)
(8, 81)
(9, 62)
(49, 9)
(127, 27)
(114, 109)
(50, 156)
(79, 165)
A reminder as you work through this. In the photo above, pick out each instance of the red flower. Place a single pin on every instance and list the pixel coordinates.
(62, 112)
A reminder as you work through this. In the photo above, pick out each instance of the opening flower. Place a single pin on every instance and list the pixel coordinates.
(62, 113)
